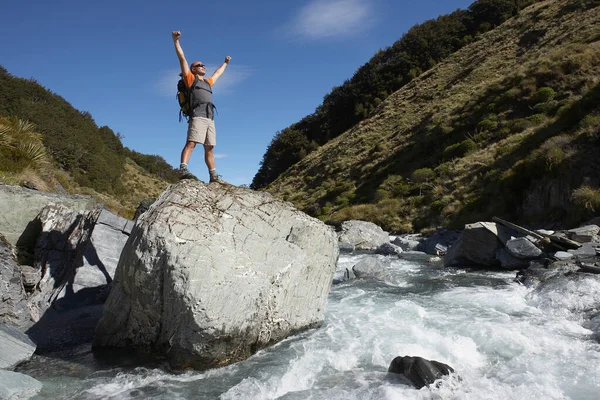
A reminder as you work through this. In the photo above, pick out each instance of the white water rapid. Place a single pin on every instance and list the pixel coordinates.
(504, 341)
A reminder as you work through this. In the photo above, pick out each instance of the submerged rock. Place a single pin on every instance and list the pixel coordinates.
(14, 385)
(212, 273)
(419, 371)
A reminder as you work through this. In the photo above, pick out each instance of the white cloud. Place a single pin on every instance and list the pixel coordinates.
(220, 155)
(332, 18)
(166, 85)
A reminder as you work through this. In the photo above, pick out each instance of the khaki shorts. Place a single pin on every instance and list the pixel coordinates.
(202, 130)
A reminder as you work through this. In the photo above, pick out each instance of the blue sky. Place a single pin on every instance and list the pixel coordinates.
(116, 60)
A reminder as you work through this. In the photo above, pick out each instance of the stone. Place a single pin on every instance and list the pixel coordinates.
(59, 253)
(419, 371)
(563, 255)
(370, 268)
(522, 248)
(13, 298)
(584, 234)
(408, 242)
(16, 386)
(389, 249)
(445, 238)
(508, 261)
(16, 347)
(19, 207)
(586, 250)
(362, 235)
(212, 273)
(477, 245)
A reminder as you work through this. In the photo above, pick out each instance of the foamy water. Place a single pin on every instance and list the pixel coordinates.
(504, 341)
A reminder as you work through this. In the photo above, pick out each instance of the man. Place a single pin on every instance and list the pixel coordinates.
(201, 126)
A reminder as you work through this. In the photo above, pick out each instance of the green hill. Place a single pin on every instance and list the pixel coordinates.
(78, 156)
(508, 125)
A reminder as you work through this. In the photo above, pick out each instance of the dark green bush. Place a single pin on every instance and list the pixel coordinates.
(543, 95)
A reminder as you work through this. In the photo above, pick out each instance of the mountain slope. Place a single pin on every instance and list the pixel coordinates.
(508, 125)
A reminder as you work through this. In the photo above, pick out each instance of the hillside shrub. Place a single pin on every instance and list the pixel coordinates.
(458, 150)
(519, 125)
(486, 125)
(536, 119)
(587, 198)
(547, 108)
(543, 95)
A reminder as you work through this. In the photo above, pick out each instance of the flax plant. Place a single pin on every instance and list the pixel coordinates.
(19, 136)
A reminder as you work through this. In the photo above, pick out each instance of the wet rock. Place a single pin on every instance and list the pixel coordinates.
(408, 242)
(541, 271)
(445, 238)
(419, 371)
(389, 249)
(586, 250)
(563, 255)
(508, 261)
(16, 347)
(362, 235)
(16, 386)
(370, 268)
(477, 244)
(522, 248)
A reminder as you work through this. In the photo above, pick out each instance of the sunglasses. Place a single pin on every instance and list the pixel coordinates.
(198, 65)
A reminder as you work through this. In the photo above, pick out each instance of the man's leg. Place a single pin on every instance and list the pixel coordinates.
(186, 153)
(209, 157)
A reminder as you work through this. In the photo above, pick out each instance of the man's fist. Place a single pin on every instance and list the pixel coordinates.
(176, 35)
(227, 59)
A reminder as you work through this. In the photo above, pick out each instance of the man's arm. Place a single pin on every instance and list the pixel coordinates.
(220, 70)
(185, 69)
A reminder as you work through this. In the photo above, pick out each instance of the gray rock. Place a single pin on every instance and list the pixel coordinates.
(370, 268)
(419, 371)
(20, 206)
(584, 234)
(16, 386)
(213, 273)
(112, 220)
(30, 277)
(362, 235)
(389, 249)
(508, 261)
(16, 347)
(13, 298)
(59, 252)
(445, 238)
(408, 242)
(586, 250)
(538, 272)
(522, 248)
(346, 247)
(477, 245)
(563, 255)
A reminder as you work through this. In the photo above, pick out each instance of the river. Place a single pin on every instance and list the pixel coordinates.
(504, 340)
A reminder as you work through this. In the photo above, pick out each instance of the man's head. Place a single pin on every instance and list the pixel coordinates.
(198, 68)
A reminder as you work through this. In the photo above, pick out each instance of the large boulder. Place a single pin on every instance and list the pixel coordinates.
(477, 244)
(212, 273)
(362, 235)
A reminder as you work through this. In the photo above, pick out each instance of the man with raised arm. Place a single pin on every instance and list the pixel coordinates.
(201, 126)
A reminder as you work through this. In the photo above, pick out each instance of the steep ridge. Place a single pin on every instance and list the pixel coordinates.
(507, 126)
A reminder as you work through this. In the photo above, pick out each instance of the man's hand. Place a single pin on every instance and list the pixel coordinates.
(176, 35)
(227, 59)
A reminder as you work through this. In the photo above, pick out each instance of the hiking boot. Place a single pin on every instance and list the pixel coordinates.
(185, 174)
(217, 178)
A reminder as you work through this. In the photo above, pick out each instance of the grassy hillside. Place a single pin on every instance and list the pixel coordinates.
(508, 125)
(48, 144)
